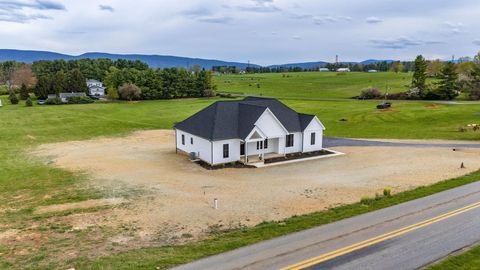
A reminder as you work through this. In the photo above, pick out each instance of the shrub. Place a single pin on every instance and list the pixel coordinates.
(398, 96)
(432, 95)
(28, 102)
(24, 92)
(387, 192)
(54, 101)
(129, 91)
(370, 93)
(79, 100)
(366, 200)
(13, 97)
(209, 93)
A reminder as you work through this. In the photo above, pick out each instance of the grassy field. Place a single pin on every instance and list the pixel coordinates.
(26, 183)
(312, 84)
(469, 260)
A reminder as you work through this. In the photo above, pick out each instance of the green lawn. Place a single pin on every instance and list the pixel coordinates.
(312, 84)
(26, 183)
(469, 260)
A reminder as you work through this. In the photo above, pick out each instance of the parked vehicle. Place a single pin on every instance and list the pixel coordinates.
(41, 102)
(384, 105)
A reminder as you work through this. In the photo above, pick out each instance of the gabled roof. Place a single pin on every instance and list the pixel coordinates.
(235, 119)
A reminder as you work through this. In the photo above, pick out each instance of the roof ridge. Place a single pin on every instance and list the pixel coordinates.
(214, 119)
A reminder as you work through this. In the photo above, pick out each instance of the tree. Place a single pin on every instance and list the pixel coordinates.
(434, 68)
(28, 102)
(24, 92)
(129, 92)
(76, 82)
(23, 75)
(13, 97)
(59, 83)
(448, 85)
(420, 75)
(397, 67)
(43, 87)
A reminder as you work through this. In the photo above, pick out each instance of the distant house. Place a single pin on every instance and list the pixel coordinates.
(247, 131)
(95, 88)
(323, 69)
(343, 70)
(64, 96)
(372, 70)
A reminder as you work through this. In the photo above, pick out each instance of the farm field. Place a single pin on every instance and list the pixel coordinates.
(312, 84)
(28, 184)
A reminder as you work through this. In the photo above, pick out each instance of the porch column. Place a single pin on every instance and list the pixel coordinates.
(246, 152)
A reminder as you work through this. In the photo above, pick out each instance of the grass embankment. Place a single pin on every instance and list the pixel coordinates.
(165, 257)
(312, 84)
(469, 260)
(26, 183)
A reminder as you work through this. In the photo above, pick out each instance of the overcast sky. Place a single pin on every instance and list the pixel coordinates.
(262, 31)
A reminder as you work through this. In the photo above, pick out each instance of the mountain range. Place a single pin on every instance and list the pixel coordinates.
(154, 61)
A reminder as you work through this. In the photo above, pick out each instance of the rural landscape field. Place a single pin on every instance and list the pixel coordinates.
(239, 135)
(52, 217)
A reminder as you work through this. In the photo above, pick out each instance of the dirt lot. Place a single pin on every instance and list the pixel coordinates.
(176, 195)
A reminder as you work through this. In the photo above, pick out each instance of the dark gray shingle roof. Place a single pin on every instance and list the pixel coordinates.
(235, 119)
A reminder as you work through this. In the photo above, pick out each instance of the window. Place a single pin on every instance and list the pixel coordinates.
(289, 140)
(183, 139)
(259, 145)
(312, 138)
(191, 140)
(225, 151)
(265, 144)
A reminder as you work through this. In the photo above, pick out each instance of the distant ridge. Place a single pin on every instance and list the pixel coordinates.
(155, 61)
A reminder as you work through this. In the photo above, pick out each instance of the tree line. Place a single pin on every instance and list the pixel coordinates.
(120, 77)
(449, 80)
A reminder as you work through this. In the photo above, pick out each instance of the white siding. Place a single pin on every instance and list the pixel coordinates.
(234, 151)
(297, 143)
(269, 125)
(316, 127)
(201, 146)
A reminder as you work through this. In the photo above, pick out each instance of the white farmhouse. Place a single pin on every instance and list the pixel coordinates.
(343, 70)
(95, 88)
(247, 131)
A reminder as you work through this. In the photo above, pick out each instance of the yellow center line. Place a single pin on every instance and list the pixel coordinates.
(378, 239)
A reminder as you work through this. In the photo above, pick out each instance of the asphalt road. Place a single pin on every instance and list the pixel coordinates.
(406, 236)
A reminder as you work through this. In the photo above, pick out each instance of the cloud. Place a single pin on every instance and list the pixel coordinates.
(331, 19)
(400, 43)
(205, 15)
(454, 28)
(38, 5)
(476, 42)
(15, 11)
(297, 37)
(373, 20)
(260, 6)
(106, 8)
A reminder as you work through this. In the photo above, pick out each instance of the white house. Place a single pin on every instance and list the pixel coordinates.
(343, 70)
(95, 88)
(323, 69)
(248, 130)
